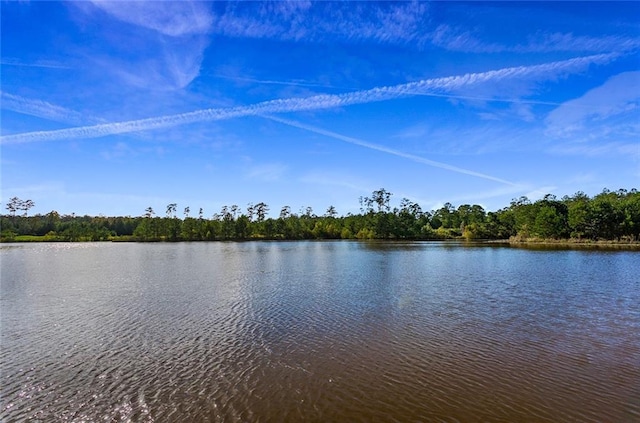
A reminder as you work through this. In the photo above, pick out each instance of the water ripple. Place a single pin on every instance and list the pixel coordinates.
(332, 331)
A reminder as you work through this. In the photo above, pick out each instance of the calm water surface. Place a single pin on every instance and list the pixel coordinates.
(317, 331)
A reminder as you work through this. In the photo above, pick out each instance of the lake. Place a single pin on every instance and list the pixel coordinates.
(318, 331)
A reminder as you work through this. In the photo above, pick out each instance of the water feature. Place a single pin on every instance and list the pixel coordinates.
(317, 331)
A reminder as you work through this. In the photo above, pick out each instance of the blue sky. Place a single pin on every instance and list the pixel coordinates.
(112, 107)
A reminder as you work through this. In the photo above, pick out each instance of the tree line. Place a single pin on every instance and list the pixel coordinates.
(610, 215)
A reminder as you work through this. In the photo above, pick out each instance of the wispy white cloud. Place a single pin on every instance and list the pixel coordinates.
(48, 64)
(544, 71)
(524, 112)
(558, 41)
(391, 22)
(43, 109)
(604, 122)
(618, 95)
(298, 83)
(173, 18)
(388, 150)
(491, 99)
(379, 22)
(458, 39)
(267, 172)
(598, 150)
(521, 111)
(170, 67)
(520, 108)
(175, 35)
(485, 137)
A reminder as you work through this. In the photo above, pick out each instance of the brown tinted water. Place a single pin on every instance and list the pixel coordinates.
(318, 331)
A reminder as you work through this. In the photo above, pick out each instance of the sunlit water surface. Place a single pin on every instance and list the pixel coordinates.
(318, 331)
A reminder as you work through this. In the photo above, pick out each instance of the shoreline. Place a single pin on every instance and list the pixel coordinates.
(571, 243)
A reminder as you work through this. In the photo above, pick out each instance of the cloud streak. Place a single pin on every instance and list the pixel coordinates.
(319, 102)
(390, 151)
(8, 61)
(174, 19)
(43, 109)
(297, 83)
(455, 39)
(619, 95)
(175, 34)
(391, 23)
(399, 23)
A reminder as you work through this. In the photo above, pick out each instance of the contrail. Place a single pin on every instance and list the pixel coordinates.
(493, 99)
(274, 82)
(388, 150)
(13, 62)
(317, 102)
(44, 109)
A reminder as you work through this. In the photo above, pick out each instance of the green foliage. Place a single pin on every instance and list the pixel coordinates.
(607, 216)
(365, 233)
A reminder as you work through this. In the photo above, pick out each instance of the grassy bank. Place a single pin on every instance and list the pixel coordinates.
(58, 238)
(514, 241)
(623, 244)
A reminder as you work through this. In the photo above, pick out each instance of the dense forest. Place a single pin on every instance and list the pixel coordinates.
(610, 215)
